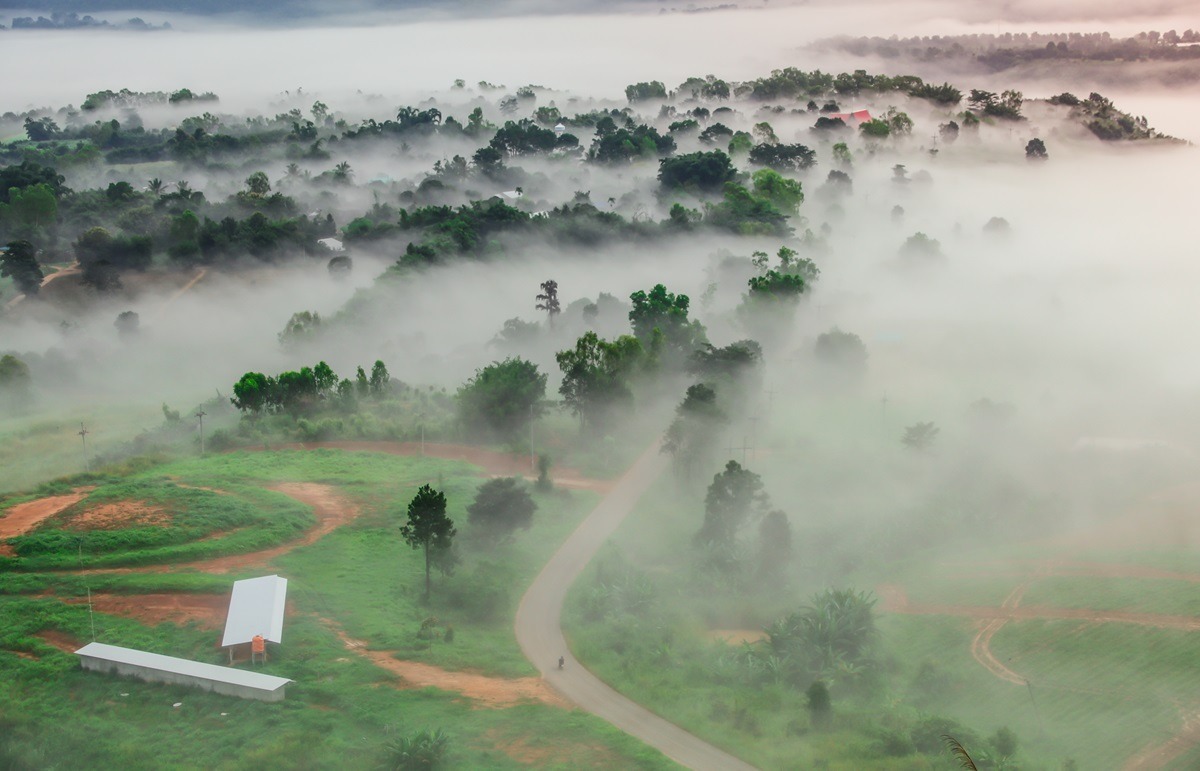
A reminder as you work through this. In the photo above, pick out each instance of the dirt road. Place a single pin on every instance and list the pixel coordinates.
(539, 630)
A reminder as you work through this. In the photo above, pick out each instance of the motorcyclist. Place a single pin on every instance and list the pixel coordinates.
(561, 662)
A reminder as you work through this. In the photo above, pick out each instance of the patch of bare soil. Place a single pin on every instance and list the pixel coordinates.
(122, 514)
(206, 610)
(21, 654)
(61, 640)
(23, 517)
(736, 636)
(494, 463)
(493, 692)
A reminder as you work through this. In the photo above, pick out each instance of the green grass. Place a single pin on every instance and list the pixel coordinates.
(361, 577)
(1137, 595)
(55, 714)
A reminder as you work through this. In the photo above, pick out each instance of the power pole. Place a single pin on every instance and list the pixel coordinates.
(91, 615)
(532, 454)
(200, 416)
(753, 433)
(83, 432)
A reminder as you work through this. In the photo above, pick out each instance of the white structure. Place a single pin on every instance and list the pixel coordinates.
(255, 608)
(559, 130)
(156, 668)
(332, 244)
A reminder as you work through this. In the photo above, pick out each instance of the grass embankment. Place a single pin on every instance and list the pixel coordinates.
(362, 578)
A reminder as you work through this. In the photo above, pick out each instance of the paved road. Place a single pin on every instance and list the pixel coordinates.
(539, 630)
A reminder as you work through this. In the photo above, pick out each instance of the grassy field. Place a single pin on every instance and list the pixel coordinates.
(362, 579)
(1098, 692)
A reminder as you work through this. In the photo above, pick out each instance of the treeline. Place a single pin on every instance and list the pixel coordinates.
(997, 53)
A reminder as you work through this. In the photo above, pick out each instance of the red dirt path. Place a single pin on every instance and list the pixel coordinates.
(24, 517)
(206, 610)
(494, 692)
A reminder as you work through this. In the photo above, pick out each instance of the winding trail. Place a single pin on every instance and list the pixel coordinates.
(538, 628)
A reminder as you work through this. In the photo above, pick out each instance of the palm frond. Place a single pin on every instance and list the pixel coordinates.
(959, 752)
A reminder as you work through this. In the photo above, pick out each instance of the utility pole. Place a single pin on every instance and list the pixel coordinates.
(532, 454)
(91, 615)
(753, 433)
(200, 416)
(83, 432)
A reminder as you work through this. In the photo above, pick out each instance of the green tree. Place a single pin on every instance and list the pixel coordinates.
(548, 300)
(639, 92)
(254, 392)
(692, 437)
(16, 385)
(734, 497)
(820, 705)
(501, 507)
(380, 379)
(699, 171)
(34, 207)
(258, 185)
(785, 193)
(844, 352)
(302, 327)
(660, 321)
(1035, 150)
(18, 261)
(596, 377)
(428, 527)
(503, 397)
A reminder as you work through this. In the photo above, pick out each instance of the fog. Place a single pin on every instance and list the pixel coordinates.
(1054, 355)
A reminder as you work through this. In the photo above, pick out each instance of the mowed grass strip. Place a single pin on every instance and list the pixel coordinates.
(1134, 595)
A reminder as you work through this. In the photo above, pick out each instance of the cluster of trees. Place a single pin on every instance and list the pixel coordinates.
(1104, 120)
(996, 53)
(303, 391)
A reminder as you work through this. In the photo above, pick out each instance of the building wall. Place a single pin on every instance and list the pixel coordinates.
(174, 678)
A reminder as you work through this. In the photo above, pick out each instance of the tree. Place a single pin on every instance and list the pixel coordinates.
(428, 528)
(692, 436)
(734, 497)
(258, 185)
(302, 327)
(843, 351)
(920, 436)
(254, 392)
(1035, 150)
(820, 706)
(700, 171)
(791, 158)
(18, 261)
(596, 376)
(639, 92)
(785, 193)
(548, 300)
(503, 396)
(35, 206)
(380, 379)
(16, 385)
(127, 324)
(502, 506)
(1005, 742)
(660, 315)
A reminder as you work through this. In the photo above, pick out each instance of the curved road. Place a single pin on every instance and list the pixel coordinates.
(539, 630)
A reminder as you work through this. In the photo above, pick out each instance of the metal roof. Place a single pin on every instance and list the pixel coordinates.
(182, 666)
(256, 607)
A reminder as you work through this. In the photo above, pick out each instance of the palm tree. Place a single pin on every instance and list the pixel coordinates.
(293, 170)
(156, 186)
(342, 172)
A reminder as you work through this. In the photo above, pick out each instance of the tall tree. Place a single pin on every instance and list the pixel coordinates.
(596, 375)
(735, 495)
(16, 386)
(428, 527)
(548, 300)
(692, 437)
(18, 261)
(661, 315)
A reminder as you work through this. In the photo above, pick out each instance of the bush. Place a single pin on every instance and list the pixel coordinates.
(422, 751)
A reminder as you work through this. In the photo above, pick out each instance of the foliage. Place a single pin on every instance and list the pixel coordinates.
(503, 397)
(660, 321)
(1035, 150)
(428, 528)
(501, 507)
(423, 751)
(596, 377)
(734, 498)
(692, 437)
(18, 261)
(700, 171)
(783, 157)
(920, 436)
